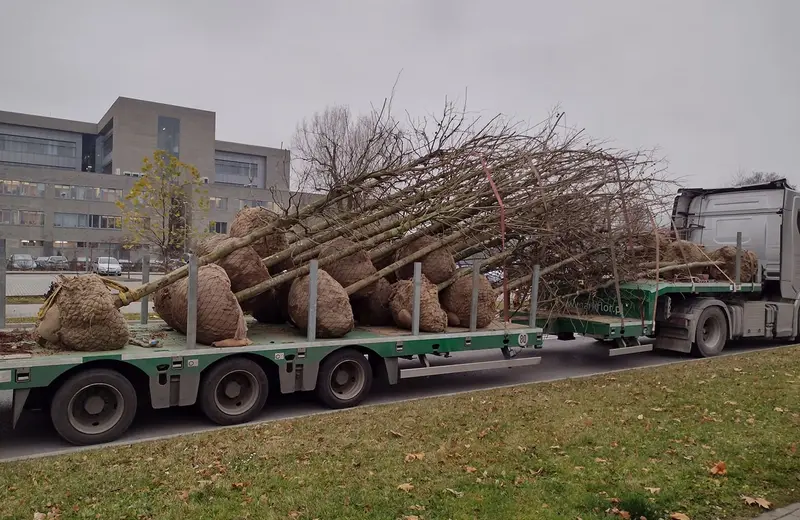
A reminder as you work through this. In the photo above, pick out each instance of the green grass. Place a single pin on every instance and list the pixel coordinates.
(642, 442)
(22, 300)
(130, 316)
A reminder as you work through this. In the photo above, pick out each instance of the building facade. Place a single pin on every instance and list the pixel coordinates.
(60, 179)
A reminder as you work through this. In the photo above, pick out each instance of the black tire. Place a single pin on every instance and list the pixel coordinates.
(344, 394)
(74, 407)
(233, 391)
(711, 334)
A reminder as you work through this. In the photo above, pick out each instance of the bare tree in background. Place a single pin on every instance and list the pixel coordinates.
(335, 146)
(743, 178)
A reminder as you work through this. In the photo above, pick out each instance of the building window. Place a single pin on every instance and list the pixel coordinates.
(37, 146)
(235, 172)
(81, 220)
(22, 188)
(169, 135)
(21, 217)
(219, 203)
(217, 227)
(31, 243)
(251, 203)
(64, 191)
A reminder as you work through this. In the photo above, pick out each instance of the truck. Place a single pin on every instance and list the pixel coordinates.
(702, 317)
(92, 397)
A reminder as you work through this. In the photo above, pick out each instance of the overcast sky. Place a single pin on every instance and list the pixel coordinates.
(713, 84)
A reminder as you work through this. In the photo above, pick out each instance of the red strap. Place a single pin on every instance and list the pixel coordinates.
(502, 233)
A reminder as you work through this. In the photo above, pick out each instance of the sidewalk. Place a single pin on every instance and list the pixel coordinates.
(791, 512)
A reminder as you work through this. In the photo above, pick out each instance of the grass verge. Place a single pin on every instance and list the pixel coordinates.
(130, 316)
(640, 443)
(23, 300)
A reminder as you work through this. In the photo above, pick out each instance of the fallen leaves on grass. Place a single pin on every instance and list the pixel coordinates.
(407, 487)
(760, 502)
(457, 494)
(470, 469)
(678, 516)
(653, 490)
(417, 508)
(411, 517)
(720, 468)
(411, 457)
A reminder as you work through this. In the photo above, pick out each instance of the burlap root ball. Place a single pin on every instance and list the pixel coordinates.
(271, 306)
(162, 304)
(350, 269)
(437, 266)
(250, 219)
(727, 254)
(219, 318)
(243, 266)
(374, 309)
(456, 300)
(334, 314)
(432, 318)
(84, 317)
(683, 251)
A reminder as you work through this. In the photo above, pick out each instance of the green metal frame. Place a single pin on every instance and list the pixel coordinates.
(39, 371)
(603, 321)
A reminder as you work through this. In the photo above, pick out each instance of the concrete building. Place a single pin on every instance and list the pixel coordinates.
(60, 179)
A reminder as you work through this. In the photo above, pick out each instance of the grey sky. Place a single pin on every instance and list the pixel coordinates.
(714, 84)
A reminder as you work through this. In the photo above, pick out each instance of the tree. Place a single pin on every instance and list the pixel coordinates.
(335, 146)
(742, 178)
(158, 210)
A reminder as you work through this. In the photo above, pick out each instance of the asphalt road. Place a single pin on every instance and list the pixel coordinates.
(35, 436)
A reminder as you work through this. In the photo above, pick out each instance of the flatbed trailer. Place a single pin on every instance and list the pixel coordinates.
(92, 397)
(670, 312)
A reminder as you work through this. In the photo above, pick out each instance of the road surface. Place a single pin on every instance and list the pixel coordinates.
(35, 436)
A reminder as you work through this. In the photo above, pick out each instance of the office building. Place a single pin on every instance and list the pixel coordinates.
(60, 179)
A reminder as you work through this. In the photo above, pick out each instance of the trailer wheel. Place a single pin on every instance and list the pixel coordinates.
(93, 407)
(344, 379)
(712, 332)
(234, 391)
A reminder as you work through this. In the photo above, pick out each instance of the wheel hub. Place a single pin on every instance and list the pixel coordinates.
(233, 389)
(94, 405)
(236, 393)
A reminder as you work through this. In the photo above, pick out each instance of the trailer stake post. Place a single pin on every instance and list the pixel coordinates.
(473, 310)
(738, 271)
(2, 283)
(191, 312)
(145, 310)
(417, 296)
(534, 304)
(313, 278)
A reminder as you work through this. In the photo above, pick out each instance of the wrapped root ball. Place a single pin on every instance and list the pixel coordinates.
(350, 269)
(374, 309)
(250, 219)
(456, 300)
(432, 318)
(727, 255)
(334, 314)
(219, 318)
(83, 317)
(243, 266)
(437, 266)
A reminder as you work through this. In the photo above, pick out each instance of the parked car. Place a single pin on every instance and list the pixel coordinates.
(57, 263)
(107, 265)
(21, 263)
(41, 262)
(127, 265)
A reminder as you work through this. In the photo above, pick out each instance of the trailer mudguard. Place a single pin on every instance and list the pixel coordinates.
(680, 328)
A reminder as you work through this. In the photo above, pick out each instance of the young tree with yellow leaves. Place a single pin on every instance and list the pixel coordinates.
(159, 209)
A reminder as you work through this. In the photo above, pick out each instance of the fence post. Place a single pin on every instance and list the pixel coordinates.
(738, 258)
(473, 309)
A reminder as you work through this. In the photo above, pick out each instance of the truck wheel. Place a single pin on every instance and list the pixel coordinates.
(712, 332)
(234, 391)
(345, 379)
(93, 407)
